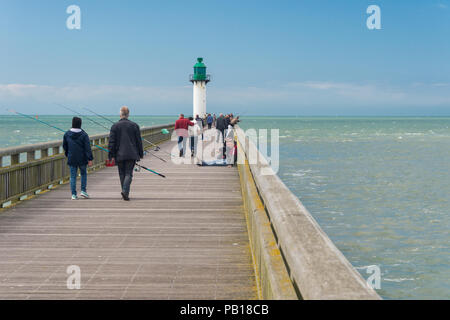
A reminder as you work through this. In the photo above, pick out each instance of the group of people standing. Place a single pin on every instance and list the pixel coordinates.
(125, 145)
(192, 129)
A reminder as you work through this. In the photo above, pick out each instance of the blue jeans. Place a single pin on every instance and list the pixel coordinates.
(182, 141)
(73, 178)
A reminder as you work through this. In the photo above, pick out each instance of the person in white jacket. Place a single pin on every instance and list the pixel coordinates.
(194, 132)
(229, 144)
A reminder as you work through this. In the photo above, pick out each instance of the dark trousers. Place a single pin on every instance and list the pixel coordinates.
(182, 141)
(194, 144)
(220, 135)
(126, 174)
(209, 125)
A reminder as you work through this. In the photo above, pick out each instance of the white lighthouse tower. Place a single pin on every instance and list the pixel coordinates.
(199, 79)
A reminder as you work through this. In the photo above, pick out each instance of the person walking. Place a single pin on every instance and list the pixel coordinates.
(229, 144)
(214, 120)
(209, 120)
(194, 133)
(227, 120)
(125, 148)
(79, 154)
(221, 125)
(203, 118)
(199, 121)
(181, 128)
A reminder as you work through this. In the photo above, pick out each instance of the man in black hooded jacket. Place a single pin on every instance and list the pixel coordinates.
(221, 125)
(125, 147)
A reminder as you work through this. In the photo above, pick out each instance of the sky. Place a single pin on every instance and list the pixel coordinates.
(298, 57)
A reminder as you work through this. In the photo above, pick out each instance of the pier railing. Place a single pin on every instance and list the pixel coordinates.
(32, 169)
(293, 255)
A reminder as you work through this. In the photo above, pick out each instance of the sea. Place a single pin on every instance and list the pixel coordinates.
(378, 186)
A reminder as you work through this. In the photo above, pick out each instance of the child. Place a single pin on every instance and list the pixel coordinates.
(79, 154)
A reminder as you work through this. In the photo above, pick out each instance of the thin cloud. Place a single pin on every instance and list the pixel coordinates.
(361, 92)
(161, 100)
(85, 93)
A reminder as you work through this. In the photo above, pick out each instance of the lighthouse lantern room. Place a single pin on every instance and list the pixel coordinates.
(199, 80)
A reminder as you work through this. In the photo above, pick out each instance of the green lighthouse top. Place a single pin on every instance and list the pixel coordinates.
(199, 71)
(199, 63)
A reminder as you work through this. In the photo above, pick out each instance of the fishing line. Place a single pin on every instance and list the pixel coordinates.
(98, 123)
(71, 110)
(103, 117)
(52, 126)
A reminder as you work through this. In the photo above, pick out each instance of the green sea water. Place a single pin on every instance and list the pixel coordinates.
(379, 187)
(16, 130)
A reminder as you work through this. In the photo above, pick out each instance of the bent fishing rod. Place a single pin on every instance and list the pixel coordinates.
(47, 124)
(145, 168)
(98, 123)
(52, 126)
(105, 118)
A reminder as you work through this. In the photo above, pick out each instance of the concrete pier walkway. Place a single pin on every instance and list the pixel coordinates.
(183, 237)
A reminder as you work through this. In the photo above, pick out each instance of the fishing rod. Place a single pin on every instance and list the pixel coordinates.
(103, 117)
(98, 123)
(36, 119)
(47, 124)
(97, 114)
(145, 168)
(71, 110)
(52, 126)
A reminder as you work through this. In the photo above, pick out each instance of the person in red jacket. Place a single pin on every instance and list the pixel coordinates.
(181, 127)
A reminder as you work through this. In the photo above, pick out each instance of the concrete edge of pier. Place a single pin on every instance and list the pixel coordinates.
(293, 256)
(272, 277)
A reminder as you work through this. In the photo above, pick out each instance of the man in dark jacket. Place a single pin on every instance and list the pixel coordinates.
(125, 147)
(79, 154)
(221, 125)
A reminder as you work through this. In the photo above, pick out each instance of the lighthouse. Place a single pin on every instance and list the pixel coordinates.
(199, 80)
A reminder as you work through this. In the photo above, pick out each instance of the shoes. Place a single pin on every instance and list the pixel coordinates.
(181, 153)
(84, 195)
(125, 197)
(74, 197)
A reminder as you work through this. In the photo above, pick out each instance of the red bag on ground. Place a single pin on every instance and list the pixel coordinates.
(110, 163)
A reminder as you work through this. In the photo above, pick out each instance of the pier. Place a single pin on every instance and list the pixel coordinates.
(201, 233)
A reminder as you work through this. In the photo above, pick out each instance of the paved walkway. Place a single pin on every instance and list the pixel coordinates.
(183, 237)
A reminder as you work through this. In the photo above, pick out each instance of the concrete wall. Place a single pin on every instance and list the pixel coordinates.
(272, 277)
(287, 243)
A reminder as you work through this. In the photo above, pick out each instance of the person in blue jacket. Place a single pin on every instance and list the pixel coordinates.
(209, 120)
(79, 155)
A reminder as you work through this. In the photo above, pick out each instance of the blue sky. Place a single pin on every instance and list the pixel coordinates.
(265, 57)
